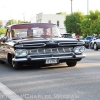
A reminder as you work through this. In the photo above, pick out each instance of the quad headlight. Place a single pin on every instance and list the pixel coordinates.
(79, 49)
(21, 52)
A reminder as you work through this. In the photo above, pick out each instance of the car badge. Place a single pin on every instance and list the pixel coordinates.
(51, 41)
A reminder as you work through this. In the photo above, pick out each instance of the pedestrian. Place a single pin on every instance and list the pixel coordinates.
(77, 36)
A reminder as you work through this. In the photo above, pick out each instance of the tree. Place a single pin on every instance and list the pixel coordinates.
(91, 24)
(12, 21)
(2, 30)
(72, 22)
(0, 23)
(61, 13)
(85, 26)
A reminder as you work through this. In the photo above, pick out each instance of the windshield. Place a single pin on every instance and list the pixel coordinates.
(38, 31)
(67, 35)
(88, 38)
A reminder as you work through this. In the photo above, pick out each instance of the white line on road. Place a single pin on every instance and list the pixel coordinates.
(8, 93)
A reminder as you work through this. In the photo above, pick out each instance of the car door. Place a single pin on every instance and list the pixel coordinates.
(4, 48)
(2, 51)
(98, 42)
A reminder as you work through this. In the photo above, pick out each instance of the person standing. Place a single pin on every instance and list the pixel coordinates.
(77, 36)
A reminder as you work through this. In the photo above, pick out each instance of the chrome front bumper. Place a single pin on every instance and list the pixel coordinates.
(36, 59)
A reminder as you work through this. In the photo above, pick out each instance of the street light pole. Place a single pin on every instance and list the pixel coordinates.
(87, 7)
(71, 6)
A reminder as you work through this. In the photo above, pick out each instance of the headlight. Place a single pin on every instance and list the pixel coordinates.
(79, 49)
(21, 52)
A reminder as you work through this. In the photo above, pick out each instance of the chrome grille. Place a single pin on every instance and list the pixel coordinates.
(34, 45)
(51, 50)
(54, 50)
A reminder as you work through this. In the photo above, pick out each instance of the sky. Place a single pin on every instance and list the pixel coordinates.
(26, 9)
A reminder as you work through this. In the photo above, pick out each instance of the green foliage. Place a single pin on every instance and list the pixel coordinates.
(83, 24)
(91, 25)
(12, 21)
(61, 13)
(72, 22)
(2, 30)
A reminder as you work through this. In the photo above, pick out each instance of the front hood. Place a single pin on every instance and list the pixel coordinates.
(46, 42)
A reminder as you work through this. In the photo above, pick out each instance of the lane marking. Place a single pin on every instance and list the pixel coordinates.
(9, 93)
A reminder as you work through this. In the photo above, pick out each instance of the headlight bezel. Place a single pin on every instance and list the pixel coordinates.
(21, 52)
(79, 49)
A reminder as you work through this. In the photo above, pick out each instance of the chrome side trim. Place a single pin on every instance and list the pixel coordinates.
(67, 43)
(31, 45)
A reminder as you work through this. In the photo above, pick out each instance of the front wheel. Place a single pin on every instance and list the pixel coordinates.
(91, 46)
(95, 46)
(16, 65)
(71, 64)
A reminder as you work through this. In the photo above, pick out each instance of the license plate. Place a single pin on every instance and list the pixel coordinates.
(51, 61)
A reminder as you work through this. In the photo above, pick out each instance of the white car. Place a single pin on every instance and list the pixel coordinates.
(96, 44)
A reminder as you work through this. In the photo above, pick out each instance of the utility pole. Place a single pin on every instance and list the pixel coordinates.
(87, 7)
(71, 7)
(24, 16)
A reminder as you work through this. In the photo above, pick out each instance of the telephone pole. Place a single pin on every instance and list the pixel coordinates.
(71, 7)
(87, 7)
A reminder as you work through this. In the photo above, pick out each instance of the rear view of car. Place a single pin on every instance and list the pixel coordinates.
(88, 40)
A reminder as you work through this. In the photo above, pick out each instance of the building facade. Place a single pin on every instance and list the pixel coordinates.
(57, 19)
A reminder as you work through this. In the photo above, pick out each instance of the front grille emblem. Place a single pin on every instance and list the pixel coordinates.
(51, 41)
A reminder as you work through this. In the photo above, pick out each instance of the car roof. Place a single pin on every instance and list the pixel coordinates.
(28, 24)
(65, 33)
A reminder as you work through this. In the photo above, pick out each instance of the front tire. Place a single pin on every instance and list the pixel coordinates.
(95, 47)
(71, 64)
(91, 46)
(16, 65)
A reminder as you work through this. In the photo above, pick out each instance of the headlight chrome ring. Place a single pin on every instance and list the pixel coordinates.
(79, 49)
(21, 52)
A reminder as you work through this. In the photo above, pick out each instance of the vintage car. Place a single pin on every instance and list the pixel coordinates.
(43, 45)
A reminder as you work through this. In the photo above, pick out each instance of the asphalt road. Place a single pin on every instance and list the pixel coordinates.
(60, 82)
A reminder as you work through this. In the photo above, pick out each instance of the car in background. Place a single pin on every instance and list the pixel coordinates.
(66, 35)
(88, 40)
(92, 42)
(95, 44)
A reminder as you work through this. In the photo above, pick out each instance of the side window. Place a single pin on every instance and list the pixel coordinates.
(49, 21)
(13, 33)
(8, 33)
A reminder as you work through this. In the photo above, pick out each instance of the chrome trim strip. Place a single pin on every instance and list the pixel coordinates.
(67, 43)
(33, 45)
(60, 57)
